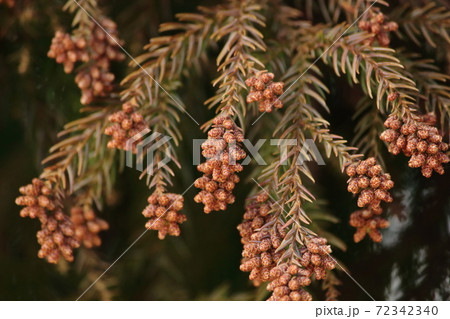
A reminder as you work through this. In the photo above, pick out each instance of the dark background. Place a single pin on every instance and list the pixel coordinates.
(37, 98)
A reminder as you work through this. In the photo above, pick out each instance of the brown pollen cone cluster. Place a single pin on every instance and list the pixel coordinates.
(96, 50)
(68, 50)
(376, 23)
(422, 142)
(287, 280)
(260, 243)
(163, 211)
(57, 235)
(366, 221)
(222, 151)
(126, 124)
(87, 226)
(316, 257)
(368, 180)
(265, 91)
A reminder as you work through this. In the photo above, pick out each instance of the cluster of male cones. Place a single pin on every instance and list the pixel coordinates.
(287, 280)
(87, 225)
(57, 234)
(125, 125)
(376, 24)
(163, 211)
(419, 140)
(222, 152)
(264, 91)
(262, 237)
(95, 49)
(368, 180)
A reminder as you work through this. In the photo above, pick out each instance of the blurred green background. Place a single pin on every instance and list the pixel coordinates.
(37, 98)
